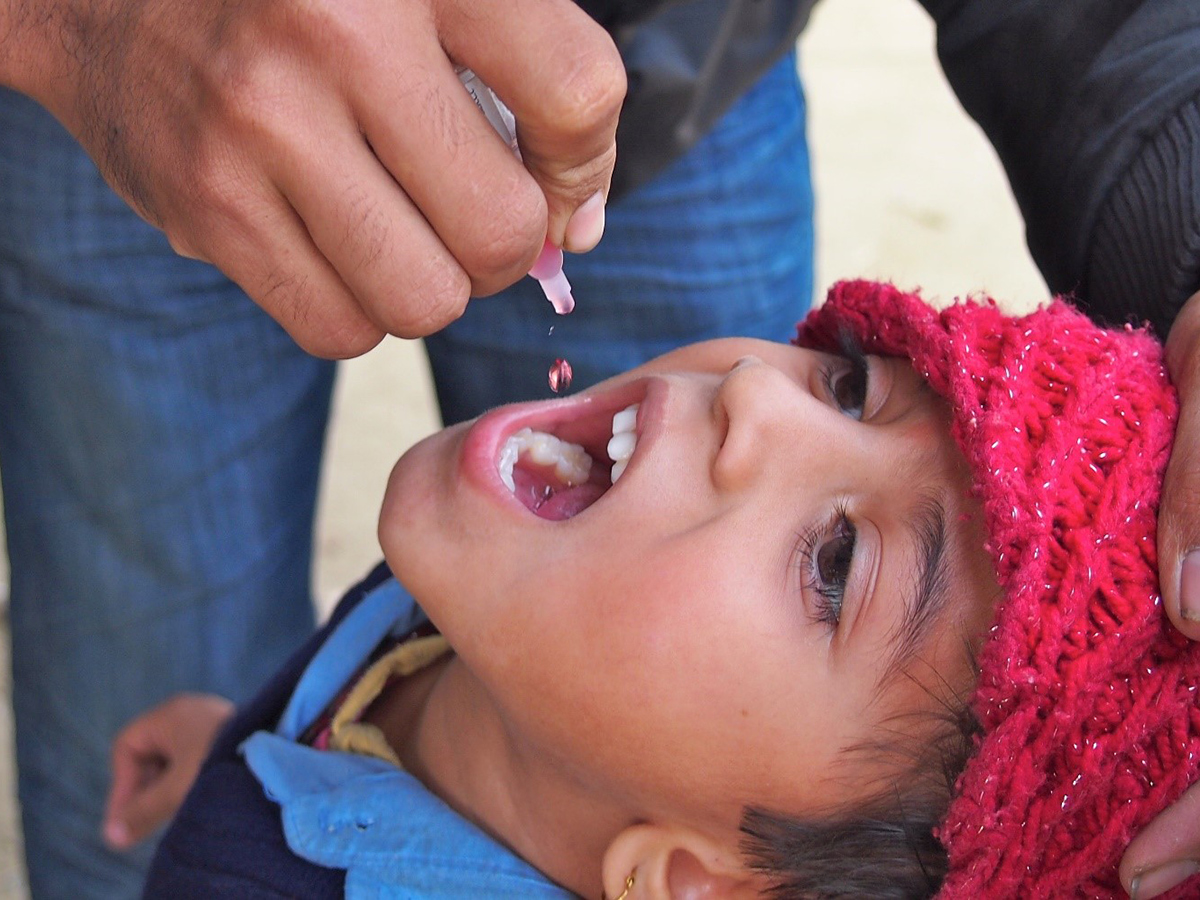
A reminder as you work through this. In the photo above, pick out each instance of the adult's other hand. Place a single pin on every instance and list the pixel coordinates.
(1179, 515)
(155, 761)
(1168, 849)
(324, 154)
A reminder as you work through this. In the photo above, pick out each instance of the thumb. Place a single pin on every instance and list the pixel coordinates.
(1166, 852)
(1179, 513)
(562, 77)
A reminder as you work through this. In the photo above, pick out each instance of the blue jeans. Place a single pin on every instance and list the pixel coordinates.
(160, 436)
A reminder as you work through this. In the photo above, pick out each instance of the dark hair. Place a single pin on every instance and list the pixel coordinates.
(883, 847)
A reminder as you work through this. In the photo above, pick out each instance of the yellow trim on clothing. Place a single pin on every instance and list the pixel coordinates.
(346, 733)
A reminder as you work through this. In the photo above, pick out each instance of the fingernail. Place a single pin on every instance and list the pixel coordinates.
(116, 834)
(1189, 587)
(586, 226)
(1153, 882)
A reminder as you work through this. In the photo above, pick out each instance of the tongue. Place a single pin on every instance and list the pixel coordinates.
(549, 499)
(567, 502)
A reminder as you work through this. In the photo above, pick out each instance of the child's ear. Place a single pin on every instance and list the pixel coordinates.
(669, 862)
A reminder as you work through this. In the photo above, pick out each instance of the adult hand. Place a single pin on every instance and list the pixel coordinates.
(1179, 514)
(155, 760)
(1168, 849)
(324, 154)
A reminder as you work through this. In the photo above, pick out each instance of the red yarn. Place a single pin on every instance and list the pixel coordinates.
(1087, 695)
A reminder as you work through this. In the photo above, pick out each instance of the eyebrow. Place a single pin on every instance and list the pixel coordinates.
(924, 605)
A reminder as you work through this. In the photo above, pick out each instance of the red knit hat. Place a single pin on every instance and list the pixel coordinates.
(1087, 695)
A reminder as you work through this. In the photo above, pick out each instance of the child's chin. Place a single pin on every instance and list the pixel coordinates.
(410, 499)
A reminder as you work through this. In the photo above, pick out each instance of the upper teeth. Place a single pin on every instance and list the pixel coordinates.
(571, 462)
(624, 440)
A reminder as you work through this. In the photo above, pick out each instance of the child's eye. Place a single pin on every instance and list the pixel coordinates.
(848, 387)
(847, 380)
(827, 554)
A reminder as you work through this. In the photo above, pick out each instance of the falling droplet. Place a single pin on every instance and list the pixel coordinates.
(560, 375)
(550, 332)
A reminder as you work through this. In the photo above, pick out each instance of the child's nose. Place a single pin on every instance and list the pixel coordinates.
(758, 405)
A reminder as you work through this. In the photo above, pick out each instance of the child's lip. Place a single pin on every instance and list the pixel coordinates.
(478, 462)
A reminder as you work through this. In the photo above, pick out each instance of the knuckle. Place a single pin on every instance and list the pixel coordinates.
(345, 340)
(182, 244)
(328, 30)
(365, 232)
(348, 342)
(580, 182)
(283, 296)
(442, 292)
(508, 233)
(591, 90)
(252, 103)
(1179, 528)
(1177, 535)
(324, 329)
(216, 196)
(248, 89)
(232, 78)
(1181, 489)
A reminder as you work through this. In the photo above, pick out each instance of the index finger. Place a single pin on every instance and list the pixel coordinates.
(561, 75)
(133, 760)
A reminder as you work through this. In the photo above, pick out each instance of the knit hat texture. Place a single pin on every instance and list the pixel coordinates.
(1087, 695)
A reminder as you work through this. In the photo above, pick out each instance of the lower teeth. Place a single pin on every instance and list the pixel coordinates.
(571, 462)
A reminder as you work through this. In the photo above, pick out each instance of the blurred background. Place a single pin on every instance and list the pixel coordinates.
(907, 190)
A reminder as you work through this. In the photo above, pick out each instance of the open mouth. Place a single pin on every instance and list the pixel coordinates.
(558, 474)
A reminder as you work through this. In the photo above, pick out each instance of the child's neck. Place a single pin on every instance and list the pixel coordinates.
(447, 735)
(398, 711)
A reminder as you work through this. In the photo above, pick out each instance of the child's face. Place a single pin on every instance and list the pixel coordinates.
(717, 628)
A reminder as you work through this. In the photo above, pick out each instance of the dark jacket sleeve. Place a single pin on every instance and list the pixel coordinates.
(1094, 109)
(227, 842)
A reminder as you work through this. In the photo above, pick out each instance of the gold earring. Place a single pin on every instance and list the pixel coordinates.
(628, 887)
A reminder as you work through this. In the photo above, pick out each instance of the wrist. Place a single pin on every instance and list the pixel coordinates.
(37, 43)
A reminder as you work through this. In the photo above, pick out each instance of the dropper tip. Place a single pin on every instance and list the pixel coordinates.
(558, 291)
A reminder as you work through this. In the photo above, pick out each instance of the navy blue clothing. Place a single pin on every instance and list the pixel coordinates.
(227, 840)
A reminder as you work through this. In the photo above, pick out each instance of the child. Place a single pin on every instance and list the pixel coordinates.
(743, 668)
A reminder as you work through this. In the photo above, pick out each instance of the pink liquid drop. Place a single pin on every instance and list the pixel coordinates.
(560, 375)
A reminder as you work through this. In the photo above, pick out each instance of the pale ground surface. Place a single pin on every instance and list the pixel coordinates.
(907, 189)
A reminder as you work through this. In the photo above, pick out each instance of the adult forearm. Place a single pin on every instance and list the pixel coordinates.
(19, 39)
(43, 44)
(1091, 105)
(1142, 259)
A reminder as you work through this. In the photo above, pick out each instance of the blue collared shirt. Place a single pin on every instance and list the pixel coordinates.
(392, 836)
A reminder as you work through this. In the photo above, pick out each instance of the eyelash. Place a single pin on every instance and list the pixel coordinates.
(859, 368)
(829, 597)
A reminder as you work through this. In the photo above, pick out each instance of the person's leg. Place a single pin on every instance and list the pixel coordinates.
(160, 439)
(721, 243)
